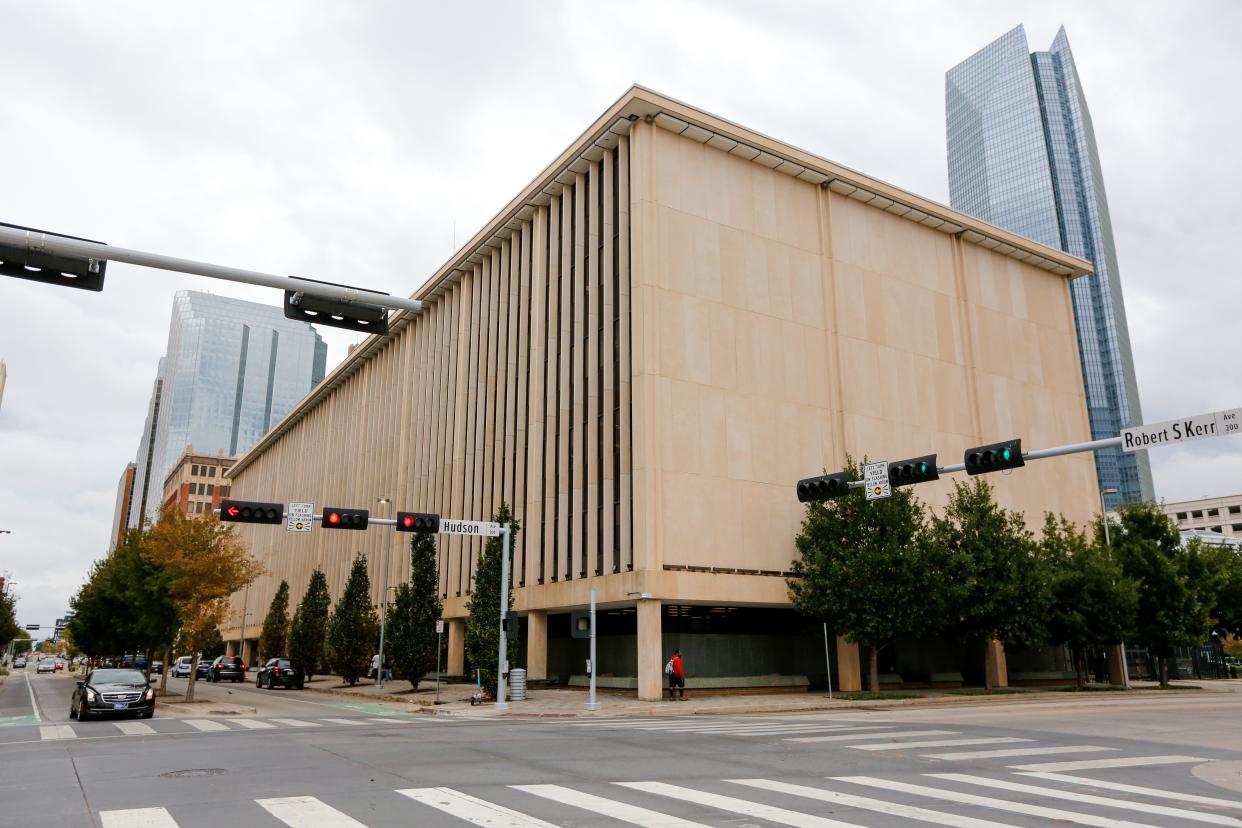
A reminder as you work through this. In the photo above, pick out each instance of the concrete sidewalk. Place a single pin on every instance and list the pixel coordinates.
(564, 702)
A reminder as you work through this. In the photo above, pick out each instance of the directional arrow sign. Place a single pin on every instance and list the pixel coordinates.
(301, 517)
(1216, 424)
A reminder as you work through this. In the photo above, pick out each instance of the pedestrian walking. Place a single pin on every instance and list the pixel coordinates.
(676, 678)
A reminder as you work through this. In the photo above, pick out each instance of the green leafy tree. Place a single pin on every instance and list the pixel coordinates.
(1092, 602)
(483, 622)
(354, 626)
(995, 581)
(308, 633)
(9, 628)
(867, 570)
(275, 635)
(411, 641)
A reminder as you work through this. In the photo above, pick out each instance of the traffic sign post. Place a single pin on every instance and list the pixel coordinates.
(875, 480)
(301, 517)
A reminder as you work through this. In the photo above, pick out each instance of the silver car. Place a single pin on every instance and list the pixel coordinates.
(46, 665)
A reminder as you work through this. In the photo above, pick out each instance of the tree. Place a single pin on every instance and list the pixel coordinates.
(1172, 610)
(354, 626)
(275, 635)
(992, 569)
(308, 633)
(483, 622)
(206, 563)
(867, 570)
(9, 628)
(411, 641)
(1091, 601)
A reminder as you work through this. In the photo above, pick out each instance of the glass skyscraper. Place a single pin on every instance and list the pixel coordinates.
(1022, 155)
(233, 369)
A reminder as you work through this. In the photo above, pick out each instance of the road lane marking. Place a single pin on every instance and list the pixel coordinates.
(307, 812)
(354, 722)
(1121, 762)
(744, 807)
(137, 818)
(1088, 799)
(135, 728)
(1002, 754)
(611, 808)
(1141, 790)
(892, 734)
(48, 732)
(472, 810)
(34, 705)
(869, 804)
(253, 724)
(295, 723)
(936, 743)
(382, 720)
(991, 802)
(205, 725)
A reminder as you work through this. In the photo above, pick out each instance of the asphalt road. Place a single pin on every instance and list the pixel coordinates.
(314, 761)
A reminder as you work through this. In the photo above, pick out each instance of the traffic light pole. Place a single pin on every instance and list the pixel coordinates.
(501, 667)
(39, 242)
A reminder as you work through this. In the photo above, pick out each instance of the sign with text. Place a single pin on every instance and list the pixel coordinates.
(301, 517)
(875, 480)
(478, 528)
(1183, 430)
(439, 626)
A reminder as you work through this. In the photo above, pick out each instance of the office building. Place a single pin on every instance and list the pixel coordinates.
(232, 370)
(1220, 516)
(1023, 156)
(124, 502)
(195, 484)
(146, 453)
(4, 375)
(643, 352)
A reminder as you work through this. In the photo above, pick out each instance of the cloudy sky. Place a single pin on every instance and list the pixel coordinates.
(355, 141)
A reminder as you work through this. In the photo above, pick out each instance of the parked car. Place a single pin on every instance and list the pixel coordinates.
(138, 662)
(19, 663)
(203, 667)
(46, 665)
(281, 671)
(231, 668)
(182, 666)
(157, 667)
(103, 692)
(60, 664)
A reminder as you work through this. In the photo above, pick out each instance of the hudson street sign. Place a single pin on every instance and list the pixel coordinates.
(477, 528)
(1182, 430)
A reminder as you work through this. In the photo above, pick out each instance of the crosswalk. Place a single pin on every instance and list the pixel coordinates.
(167, 727)
(960, 800)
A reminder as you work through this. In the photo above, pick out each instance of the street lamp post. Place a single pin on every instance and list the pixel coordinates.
(379, 673)
(1108, 541)
(241, 639)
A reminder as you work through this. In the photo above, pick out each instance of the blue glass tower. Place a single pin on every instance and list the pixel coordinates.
(1022, 155)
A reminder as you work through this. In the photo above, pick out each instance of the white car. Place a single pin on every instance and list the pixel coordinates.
(182, 667)
(46, 665)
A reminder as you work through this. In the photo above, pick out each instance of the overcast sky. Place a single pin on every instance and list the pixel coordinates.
(354, 141)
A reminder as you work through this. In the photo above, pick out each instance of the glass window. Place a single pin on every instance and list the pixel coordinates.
(1181, 515)
(1213, 513)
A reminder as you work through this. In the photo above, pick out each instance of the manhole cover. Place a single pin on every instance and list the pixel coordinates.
(192, 772)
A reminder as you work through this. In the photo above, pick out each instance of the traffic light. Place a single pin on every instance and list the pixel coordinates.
(337, 313)
(994, 457)
(915, 470)
(334, 518)
(824, 487)
(245, 511)
(420, 522)
(51, 268)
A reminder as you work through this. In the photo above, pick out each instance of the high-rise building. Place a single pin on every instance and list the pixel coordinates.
(233, 369)
(124, 503)
(1022, 155)
(4, 374)
(146, 450)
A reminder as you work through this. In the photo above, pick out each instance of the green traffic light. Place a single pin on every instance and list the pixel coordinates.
(921, 468)
(1005, 454)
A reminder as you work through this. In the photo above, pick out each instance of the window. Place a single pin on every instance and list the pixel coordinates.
(212, 472)
(1181, 515)
(1217, 529)
(1235, 510)
(211, 488)
(194, 471)
(1213, 513)
(1237, 527)
(1197, 513)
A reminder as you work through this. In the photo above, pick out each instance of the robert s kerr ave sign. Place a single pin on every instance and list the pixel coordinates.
(1183, 430)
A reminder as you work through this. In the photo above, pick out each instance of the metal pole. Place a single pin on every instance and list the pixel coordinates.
(501, 704)
(828, 658)
(592, 704)
(35, 240)
(438, 627)
(241, 641)
(379, 674)
(1108, 541)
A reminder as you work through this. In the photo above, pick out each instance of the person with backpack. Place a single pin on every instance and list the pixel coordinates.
(676, 677)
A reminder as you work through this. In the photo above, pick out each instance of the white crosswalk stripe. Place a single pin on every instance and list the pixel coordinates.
(991, 802)
(355, 722)
(307, 812)
(1087, 799)
(608, 807)
(1119, 762)
(937, 743)
(137, 818)
(472, 810)
(892, 734)
(205, 725)
(48, 732)
(382, 720)
(1141, 790)
(1008, 753)
(295, 723)
(254, 724)
(738, 806)
(135, 728)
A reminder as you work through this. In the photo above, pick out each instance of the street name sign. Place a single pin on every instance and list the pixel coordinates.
(478, 528)
(439, 626)
(875, 480)
(1182, 430)
(301, 517)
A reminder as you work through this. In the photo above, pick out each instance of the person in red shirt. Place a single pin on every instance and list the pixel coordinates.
(677, 679)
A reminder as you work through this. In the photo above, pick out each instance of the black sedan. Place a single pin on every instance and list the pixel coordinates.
(104, 692)
(201, 670)
(227, 668)
(280, 671)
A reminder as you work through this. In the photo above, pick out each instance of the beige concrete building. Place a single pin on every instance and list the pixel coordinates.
(124, 502)
(196, 484)
(643, 352)
(1220, 515)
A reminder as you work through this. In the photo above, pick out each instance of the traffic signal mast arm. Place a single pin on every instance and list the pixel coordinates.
(372, 521)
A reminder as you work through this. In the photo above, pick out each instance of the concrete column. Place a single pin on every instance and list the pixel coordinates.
(849, 669)
(995, 670)
(1116, 676)
(650, 657)
(536, 645)
(456, 647)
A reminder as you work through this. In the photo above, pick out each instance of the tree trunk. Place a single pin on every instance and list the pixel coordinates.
(873, 668)
(189, 685)
(164, 673)
(1080, 666)
(1164, 672)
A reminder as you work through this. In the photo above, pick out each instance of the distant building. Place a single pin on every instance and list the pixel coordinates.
(232, 370)
(1220, 516)
(124, 501)
(146, 451)
(4, 374)
(195, 485)
(1022, 155)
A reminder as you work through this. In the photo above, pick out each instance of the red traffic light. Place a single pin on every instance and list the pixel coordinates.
(246, 511)
(407, 521)
(334, 517)
(427, 523)
(232, 511)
